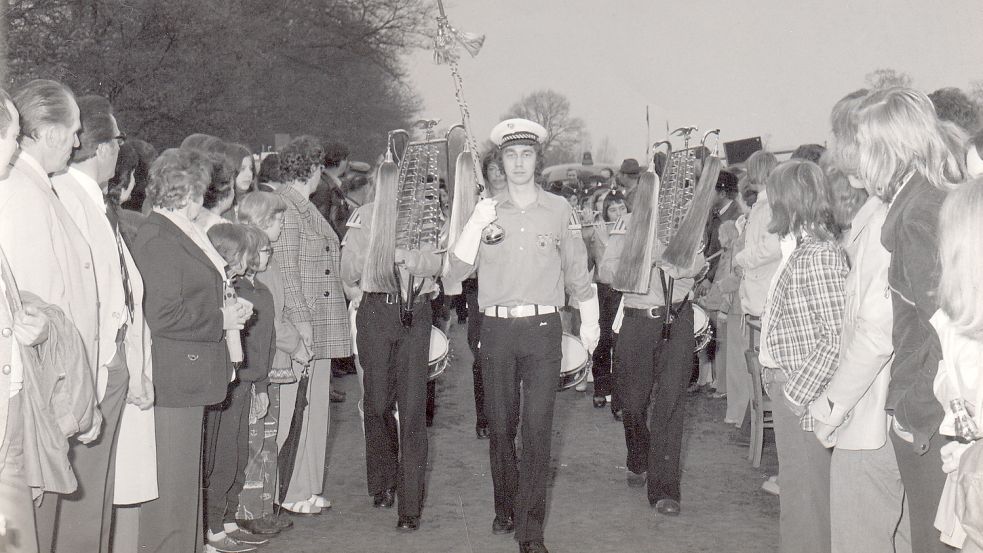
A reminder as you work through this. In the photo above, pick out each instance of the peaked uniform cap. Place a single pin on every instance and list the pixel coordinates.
(517, 131)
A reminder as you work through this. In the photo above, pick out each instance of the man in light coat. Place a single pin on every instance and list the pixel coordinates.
(19, 326)
(81, 190)
(48, 254)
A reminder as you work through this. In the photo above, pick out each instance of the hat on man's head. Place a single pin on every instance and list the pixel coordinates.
(517, 131)
(630, 167)
(726, 182)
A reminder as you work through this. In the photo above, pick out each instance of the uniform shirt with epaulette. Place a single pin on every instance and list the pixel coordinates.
(542, 254)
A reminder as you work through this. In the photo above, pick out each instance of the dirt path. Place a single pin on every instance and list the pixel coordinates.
(591, 507)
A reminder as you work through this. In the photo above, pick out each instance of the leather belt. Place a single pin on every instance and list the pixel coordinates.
(651, 312)
(389, 299)
(518, 311)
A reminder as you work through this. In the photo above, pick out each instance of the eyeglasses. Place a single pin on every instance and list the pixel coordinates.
(120, 138)
(267, 251)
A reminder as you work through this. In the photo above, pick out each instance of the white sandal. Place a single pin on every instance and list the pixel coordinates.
(301, 507)
(319, 501)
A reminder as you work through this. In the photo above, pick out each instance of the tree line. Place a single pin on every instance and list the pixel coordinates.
(239, 69)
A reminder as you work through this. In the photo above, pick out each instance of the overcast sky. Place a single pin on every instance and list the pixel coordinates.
(762, 67)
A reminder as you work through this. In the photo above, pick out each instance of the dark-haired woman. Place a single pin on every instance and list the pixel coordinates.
(610, 220)
(800, 344)
(309, 253)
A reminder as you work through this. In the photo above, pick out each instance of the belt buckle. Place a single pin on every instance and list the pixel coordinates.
(513, 311)
(390, 299)
(654, 313)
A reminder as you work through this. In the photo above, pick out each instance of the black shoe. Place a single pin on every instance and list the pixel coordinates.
(408, 523)
(532, 547)
(503, 525)
(481, 432)
(668, 507)
(264, 526)
(384, 498)
(600, 401)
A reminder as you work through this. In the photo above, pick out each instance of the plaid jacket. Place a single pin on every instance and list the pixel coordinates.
(309, 255)
(805, 319)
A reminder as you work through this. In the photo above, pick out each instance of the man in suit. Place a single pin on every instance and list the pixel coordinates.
(81, 190)
(48, 254)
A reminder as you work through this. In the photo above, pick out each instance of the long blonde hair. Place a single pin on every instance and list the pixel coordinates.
(635, 265)
(378, 273)
(898, 133)
(961, 253)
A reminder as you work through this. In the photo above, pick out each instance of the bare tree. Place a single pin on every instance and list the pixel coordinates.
(551, 109)
(886, 78)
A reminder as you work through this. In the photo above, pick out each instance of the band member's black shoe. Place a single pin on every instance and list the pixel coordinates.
(384, 498)
(600, 401)
(668, 507)
(503, 525)
(481, 432)
(408, 523)
(532, 547)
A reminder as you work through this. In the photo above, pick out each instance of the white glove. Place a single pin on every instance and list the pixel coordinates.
(590, 331)
(466, 248)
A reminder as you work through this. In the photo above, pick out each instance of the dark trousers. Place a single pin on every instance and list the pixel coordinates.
(226, 453)
(475, 316)
(923, 481)
(395, 360)
(172, 522)
(85, 515)
(521, 354)
(608, 299)
(643, 359)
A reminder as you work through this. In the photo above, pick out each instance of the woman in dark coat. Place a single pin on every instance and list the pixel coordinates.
(183, 277)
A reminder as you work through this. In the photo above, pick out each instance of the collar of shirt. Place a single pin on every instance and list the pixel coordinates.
(34, 164)
(504, 199)
(90, 186)
(196, 234)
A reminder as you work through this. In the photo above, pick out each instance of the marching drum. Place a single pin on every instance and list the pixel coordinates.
(439, 348)
(576, 362)
(701, 327)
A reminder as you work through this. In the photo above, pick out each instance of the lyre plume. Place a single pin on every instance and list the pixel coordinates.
(377, 275)
(635, 266)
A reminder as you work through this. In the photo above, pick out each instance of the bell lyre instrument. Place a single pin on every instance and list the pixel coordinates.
(684, 205)
(418, 211)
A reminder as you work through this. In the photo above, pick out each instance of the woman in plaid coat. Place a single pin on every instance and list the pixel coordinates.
(309, 253)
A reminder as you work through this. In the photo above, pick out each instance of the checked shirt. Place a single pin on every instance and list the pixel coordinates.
(805, 318)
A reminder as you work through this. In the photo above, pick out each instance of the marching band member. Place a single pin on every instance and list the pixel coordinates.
(646, 354)
(393, 348)
(521, 286)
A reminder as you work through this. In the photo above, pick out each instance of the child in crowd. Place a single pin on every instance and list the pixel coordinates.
(226, 425)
